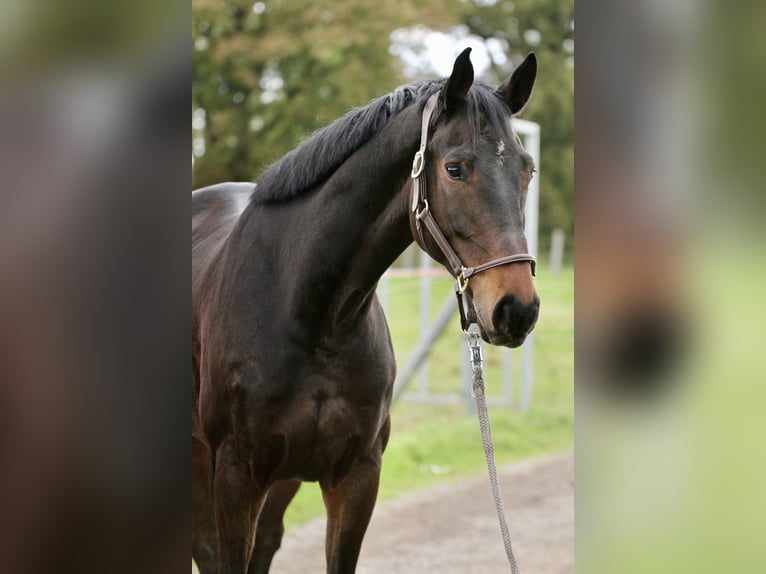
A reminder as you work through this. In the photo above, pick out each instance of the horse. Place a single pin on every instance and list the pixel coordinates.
(292, 361)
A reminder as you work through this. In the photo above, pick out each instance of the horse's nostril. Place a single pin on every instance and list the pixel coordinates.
(502, 311)
(512, 317)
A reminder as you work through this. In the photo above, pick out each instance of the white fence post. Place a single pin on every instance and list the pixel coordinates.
(425, 312)
(557, 251)
(531, 132)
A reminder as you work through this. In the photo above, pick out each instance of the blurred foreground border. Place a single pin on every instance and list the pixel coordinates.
(669, 262)
(94, 180)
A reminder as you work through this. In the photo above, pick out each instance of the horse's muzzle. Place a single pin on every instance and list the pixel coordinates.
(513, 320)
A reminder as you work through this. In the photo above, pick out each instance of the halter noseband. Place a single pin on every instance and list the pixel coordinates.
(422, 214)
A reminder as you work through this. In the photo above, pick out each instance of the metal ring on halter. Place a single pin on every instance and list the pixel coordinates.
(462, 282)
(418, 163)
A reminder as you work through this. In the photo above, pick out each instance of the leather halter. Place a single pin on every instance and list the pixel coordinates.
(422, 216)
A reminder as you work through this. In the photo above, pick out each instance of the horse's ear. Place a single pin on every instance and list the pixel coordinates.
(518, 87)
(460, 81)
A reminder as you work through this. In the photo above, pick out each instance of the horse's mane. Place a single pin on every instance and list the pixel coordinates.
(316, 158)
(319, 156)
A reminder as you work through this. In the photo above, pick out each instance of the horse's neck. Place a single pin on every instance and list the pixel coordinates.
(354, 227)
(368, 210)
(369, 214)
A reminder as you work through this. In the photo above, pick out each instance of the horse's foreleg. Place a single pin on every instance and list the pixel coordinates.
(204, 542)
(349, 508)
(238, 500)
(268, 534)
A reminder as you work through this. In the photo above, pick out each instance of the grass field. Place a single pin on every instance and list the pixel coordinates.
(431, 444)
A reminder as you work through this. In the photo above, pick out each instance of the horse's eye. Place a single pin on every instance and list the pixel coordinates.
(454, 170)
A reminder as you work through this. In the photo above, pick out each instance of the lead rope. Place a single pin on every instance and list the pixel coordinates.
(421, 216)
(474, 347)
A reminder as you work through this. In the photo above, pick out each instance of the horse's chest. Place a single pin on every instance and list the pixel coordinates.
(360, 374)
(330, 410)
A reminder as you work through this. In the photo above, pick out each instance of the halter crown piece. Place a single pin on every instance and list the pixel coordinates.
(422, 214)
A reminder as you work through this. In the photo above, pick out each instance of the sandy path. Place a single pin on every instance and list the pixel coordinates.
(452, 528)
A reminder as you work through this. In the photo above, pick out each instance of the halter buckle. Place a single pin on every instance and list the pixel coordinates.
(418, 163)
(419, 214)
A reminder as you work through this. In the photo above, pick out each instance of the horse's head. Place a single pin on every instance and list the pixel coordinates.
(476, 176)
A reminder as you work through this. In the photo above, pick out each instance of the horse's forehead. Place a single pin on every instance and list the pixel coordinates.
(457, 130)
(461, 131)
(482, 127)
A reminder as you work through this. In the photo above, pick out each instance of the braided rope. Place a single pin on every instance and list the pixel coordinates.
(489, 450)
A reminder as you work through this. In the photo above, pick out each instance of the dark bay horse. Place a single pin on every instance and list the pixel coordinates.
(292, 363)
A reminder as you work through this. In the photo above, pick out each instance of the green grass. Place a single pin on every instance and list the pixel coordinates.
(430, 444)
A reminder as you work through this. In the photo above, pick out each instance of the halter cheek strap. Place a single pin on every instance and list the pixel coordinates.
(423, 218)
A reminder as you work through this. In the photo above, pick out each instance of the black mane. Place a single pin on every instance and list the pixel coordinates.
(316, 158)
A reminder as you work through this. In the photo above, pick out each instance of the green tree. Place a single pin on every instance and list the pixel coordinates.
(266, 74)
